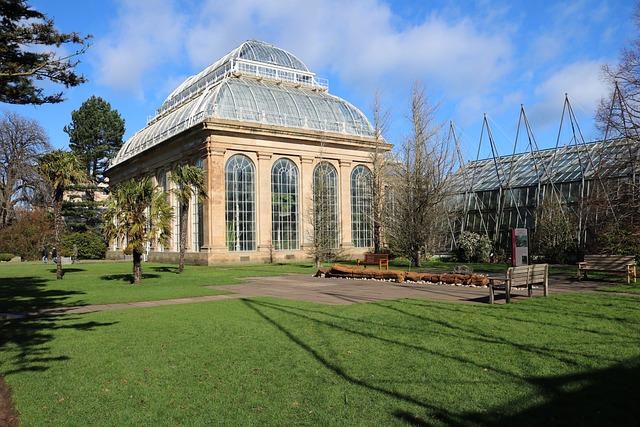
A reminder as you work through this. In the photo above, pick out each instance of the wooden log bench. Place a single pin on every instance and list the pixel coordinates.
(614, 264)
(522, 276)
(381, 260)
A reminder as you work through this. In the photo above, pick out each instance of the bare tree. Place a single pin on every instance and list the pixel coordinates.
(620, 112)
(379, 171)
(617, 227)
(323, 215)
(420, 186)
(21, 141)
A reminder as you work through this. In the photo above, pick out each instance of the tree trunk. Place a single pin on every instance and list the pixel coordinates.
(57, 221)
(137, 266)
(184, 217)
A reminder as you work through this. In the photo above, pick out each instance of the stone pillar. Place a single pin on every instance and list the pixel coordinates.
(306, 200)
(345, 204)
(263, 201)
(214, 208)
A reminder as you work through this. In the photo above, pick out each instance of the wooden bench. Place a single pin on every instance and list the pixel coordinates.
(525, 275)
(615, 264)
(381, 260)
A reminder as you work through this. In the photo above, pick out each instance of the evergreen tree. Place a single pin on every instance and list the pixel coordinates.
(190, 181)
(140, 213)
(95, 135)
(60, 169)
(25, 34)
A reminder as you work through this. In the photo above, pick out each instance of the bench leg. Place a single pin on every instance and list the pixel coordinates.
(491, 294)
(530, 289)
(507, 288)
(546, 288)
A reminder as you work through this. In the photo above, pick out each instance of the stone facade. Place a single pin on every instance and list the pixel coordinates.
(211, 143)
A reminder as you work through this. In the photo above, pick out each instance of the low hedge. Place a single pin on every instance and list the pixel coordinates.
(6, 257)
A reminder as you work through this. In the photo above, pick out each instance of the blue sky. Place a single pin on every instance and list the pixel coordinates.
(474, 57)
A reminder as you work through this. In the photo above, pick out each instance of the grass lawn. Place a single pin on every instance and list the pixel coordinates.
(561, 360)
(31, 286)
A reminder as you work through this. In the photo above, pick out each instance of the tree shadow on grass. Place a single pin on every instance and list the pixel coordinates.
(26, 339)
(29, 294)
(127, 277)
(166, 269)
(591, 397)
(605, 397)
(67, 270)
(23, 334)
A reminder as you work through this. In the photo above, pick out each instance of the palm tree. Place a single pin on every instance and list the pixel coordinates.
(61, 170)
(139, 212)
(189, 181)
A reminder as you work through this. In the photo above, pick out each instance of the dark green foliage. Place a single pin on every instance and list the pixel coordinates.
(95, 134)
(6, 257)
(25, 36)
(82, 215)
(87, 245)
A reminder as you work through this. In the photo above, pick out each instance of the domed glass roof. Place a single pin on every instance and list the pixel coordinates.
(256, 82)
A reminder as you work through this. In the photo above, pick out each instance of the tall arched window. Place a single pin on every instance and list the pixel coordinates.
(284, 205)
(240, 206)
(325, 206)
(361, 218)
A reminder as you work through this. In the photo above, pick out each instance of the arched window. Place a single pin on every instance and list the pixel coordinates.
(325, 206)
(361, 218)
(240, 206)
(284, 205)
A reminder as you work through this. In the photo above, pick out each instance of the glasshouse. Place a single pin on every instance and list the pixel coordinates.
(276, 148)
(570, 196)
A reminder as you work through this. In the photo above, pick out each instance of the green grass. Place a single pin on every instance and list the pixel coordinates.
(562, 360)
(31, 286)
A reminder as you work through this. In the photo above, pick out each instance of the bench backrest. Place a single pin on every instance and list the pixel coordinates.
(614, 262)
(525, 274)
(375, 257)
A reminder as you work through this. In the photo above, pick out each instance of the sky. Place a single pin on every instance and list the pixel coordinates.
(476, 59)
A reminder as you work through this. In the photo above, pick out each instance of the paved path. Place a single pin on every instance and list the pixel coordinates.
(304, 287)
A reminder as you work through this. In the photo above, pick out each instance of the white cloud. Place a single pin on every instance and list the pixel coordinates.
(145, 36)
(581, 81)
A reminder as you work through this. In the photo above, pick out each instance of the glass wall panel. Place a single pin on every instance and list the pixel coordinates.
(285, 205)
(325, 206)
(240, 203)
(361, 215)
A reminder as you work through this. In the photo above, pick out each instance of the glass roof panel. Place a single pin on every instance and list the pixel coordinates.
(282, 92)
(564, 164)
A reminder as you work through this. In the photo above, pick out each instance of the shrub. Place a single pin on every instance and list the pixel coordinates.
(6, 257)
(88, 245)
(472, 247)
(28, 234)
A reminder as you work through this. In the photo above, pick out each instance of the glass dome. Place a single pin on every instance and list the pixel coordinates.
(257, 83)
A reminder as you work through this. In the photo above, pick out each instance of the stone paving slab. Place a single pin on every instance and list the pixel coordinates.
(335, 291)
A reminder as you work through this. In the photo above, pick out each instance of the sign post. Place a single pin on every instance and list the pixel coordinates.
(519, 246)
